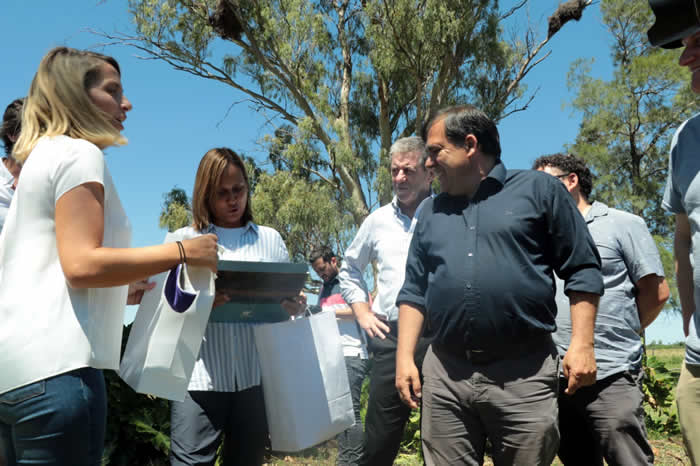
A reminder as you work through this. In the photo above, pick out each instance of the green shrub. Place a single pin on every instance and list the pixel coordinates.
(659, 407)
(138, 426)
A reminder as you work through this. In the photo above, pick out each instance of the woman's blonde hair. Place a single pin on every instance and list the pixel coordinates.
(211, 168)
(58, 102)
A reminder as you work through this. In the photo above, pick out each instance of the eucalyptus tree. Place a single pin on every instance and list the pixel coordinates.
(629, 120)
(338, 80)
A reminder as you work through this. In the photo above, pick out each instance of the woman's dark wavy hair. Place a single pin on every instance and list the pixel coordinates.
(11, 124)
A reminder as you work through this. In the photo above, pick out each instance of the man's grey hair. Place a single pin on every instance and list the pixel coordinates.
(408, 144)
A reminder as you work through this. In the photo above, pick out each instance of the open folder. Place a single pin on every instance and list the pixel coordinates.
(256, 290)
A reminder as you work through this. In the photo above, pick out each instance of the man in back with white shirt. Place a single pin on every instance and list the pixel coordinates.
(325, 263)
(384, 237)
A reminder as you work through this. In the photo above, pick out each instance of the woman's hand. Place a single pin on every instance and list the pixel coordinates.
(294, 305)
(136, 291)
(201, 251)
(220, 298)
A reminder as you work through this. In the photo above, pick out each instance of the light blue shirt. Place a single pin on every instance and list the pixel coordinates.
(228, 359)
(682, 196)
(628, 253)
(384, 236)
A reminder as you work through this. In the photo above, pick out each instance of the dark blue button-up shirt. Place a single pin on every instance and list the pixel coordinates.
(481, 269)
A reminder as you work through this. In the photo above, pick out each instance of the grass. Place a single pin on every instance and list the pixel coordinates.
(667, 452)
(671, 356)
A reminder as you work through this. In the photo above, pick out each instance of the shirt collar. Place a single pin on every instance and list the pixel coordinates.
(498, 172)
(250, 226)
(598, 209)
(492, 183)
(6, 177)
(397, 209)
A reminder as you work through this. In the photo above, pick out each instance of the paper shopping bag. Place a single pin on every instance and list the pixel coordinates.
(167, 332)
(305, 383)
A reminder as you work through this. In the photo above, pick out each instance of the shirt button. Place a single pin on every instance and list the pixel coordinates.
(469, 286)
(470, 254)
(471, 228)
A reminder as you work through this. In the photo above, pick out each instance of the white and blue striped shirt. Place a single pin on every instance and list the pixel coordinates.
(228, 360)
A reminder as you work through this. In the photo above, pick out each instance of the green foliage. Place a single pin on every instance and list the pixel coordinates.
(138, 426)
(176, 211)
(338, 82)
(628, 121)
(659, 387)
(305, 213)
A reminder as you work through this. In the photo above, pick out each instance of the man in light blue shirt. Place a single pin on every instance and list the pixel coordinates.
(606, 420)
(384, 237)
(678, 25)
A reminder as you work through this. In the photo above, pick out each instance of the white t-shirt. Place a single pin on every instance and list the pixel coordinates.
(6, 192)
(47, 327)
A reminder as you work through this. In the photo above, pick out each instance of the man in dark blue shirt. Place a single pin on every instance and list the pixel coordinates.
(479, 275)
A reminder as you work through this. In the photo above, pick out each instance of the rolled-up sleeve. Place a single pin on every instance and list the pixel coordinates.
(357, 256)
(575, 256)
(672, 200)
(415, 284)
(639, 250)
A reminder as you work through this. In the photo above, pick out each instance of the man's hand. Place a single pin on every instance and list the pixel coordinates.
(371, 324)
(579, 368)
(408, 381)
(407, 377)
(579, 362)
(136, 291)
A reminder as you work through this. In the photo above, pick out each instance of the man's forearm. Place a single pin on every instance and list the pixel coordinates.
(360, 309)
(684, 270)
(410, 328)
(345, 313)
(583, 311)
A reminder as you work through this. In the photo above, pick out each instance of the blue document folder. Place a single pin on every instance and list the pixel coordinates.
(256, 290)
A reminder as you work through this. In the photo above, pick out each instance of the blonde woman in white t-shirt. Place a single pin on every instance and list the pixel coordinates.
(65, 264)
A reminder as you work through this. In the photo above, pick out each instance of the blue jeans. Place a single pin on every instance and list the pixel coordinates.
(57, 421)
(351, 442)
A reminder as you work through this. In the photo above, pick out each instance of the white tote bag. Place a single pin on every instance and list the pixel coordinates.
(307, 395)
(167, 332)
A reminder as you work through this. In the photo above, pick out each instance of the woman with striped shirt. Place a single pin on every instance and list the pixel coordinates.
(224, 395)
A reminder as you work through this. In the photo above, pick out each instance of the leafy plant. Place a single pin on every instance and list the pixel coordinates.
(138, 426)
(658, 387)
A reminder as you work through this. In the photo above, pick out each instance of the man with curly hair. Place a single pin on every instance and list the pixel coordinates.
(606, 419)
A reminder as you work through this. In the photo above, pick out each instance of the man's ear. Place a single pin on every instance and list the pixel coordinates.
(470, 143)
(573, 178)
(334, 261)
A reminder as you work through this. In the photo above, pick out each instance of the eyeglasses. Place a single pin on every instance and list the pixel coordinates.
(562, 176)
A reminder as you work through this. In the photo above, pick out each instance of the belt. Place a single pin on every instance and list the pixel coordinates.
(510, 350)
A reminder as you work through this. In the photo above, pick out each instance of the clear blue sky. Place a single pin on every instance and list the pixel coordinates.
(177, 117)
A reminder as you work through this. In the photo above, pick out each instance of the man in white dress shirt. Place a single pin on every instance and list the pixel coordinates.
(384, 236)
